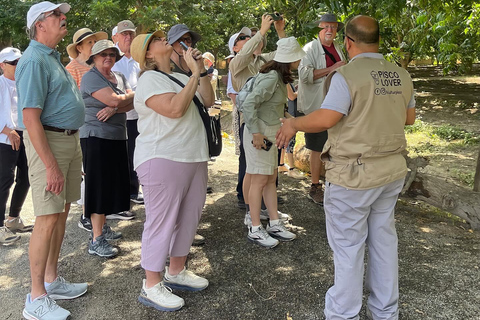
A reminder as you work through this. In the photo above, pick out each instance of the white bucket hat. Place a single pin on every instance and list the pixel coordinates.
(37, 9)
(288, 50)
(9, 54)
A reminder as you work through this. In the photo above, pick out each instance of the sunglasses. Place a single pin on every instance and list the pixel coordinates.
(241, 38)
(186, 39)
(12, 63)
(104, 54)
(56, 13)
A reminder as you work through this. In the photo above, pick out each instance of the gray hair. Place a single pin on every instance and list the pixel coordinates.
(32, 32)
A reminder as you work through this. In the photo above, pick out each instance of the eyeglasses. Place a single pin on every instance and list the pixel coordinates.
(12, 63)
(330, 27)
(104, 54)
(348, 38)
(241, 38)
(186, 39)
(56, 13)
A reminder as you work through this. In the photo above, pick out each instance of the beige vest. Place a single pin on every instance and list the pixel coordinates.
(363, 150)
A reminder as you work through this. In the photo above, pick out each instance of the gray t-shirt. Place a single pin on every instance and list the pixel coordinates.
(114, 128)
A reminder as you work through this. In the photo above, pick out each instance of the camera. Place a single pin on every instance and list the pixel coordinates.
(275, 16)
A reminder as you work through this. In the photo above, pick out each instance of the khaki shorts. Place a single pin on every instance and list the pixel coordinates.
(66, 150)
(261, 161)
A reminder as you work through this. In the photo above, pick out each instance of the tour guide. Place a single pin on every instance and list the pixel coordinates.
(365, 171)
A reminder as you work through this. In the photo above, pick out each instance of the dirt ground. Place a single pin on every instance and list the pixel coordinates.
(439, 257)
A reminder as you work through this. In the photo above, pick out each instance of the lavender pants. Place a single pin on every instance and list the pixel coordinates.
(174, 194)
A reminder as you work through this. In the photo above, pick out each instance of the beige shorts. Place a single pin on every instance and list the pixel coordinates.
(261, 161)
(66, 149)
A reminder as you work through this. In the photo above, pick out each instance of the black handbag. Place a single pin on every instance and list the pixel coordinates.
(211, 123)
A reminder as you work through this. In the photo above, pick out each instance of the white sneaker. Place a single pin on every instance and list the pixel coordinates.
(185, 280)
(160, 297)
(44, 308)
(7, 237)
(264, 216)
(279, 232)
(261, 237)
(124, 215)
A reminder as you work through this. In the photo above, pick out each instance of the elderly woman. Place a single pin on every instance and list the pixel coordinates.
(263, 108)
(79, 51)
(171, 162)
(107, 97)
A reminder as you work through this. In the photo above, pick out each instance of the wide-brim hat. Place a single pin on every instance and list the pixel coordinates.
(81, 35)
(288, 50)
(9, 54)
(139, 46)
(37, 9)
(231, 41)
(178, 30)
(103, 45)
(330, 17)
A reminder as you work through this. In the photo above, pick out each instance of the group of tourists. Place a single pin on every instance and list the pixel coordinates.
(125, 113)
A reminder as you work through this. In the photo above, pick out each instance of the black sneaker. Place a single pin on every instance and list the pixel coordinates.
(209, 190)
(85, 223)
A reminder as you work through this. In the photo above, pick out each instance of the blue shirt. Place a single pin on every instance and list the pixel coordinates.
(44, 83)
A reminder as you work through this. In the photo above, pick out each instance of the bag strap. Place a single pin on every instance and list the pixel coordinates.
(114, 88)
(197, 102)
(331, 56)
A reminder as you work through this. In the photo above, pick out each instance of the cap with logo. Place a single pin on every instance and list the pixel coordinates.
(37, 9)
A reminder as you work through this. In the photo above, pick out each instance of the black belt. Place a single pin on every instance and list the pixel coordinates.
(68, 132)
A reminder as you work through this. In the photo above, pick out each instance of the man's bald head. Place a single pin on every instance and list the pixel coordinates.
(363, 30)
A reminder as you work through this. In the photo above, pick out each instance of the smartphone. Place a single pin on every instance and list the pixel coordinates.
(275, 16)
(268, 144)
(184, 46)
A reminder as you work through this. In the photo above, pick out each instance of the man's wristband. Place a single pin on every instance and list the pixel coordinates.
(203, 74)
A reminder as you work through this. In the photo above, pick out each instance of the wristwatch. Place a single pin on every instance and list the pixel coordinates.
(203, 74)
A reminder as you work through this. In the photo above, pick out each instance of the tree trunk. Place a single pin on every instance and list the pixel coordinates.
(476, 180)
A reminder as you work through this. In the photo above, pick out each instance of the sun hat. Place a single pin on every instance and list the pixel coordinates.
(330, 17)
(288, 50)
(9, 54)
(103, 45)
(126, 25)
(81, 35)
(231, 42)
(178, 30)
(209, 56)
(139, 46)
(37, 9)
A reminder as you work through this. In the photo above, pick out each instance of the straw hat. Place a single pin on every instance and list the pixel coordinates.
(139, 46)
(288, 50)
(103, 45)
(81, 35)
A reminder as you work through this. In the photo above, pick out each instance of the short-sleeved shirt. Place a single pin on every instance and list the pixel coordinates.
(8, 107)
(130, 69)
(115, 127)
(181, 139)
(44, 83)
(77, 71)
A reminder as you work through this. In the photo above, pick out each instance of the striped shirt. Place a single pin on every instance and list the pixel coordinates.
(77, 71)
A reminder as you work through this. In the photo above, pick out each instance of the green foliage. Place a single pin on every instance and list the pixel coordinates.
(450, 133)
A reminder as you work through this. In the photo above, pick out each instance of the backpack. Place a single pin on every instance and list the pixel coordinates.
(244, 92)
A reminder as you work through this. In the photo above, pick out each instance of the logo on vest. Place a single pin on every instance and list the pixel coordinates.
(385, 80)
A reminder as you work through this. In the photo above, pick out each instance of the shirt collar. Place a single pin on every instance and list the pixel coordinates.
(373, 55)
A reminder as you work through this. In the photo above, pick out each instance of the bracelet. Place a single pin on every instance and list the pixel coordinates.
(203, 74)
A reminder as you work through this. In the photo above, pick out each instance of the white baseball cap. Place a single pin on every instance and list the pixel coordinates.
(37, 9)
(231, 43)
(9, 54)
(114, 31)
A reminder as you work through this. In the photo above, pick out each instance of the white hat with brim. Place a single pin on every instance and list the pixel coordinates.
(288, 50)
(103, 45)
(9, 54)
(82, 35)
(231, 43)
(37, 9)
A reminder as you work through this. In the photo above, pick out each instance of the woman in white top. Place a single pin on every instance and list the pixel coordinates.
(171, 162)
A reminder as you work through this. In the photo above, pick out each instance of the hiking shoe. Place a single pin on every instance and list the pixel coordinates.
(138, 199)
(44, 308)
(160, 297)
(102, 248)
(278, 231)
(85, 223)
(62, 290)
(110, 234)
(124, 215)
(185, 280)
(280, 200)
(209, 190)
(241, 204)
(198, 240)
(16, 224)
(261, 237)
(316, 193)
(7, 237)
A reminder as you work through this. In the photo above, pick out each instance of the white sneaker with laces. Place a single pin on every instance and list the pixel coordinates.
(44, 308)
(61, 289)
(279, 232)
(160, 297)
(261, 237)
(185, 280)
(264, 216)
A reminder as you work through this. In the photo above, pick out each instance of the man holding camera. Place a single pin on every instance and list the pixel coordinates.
(323, 56)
